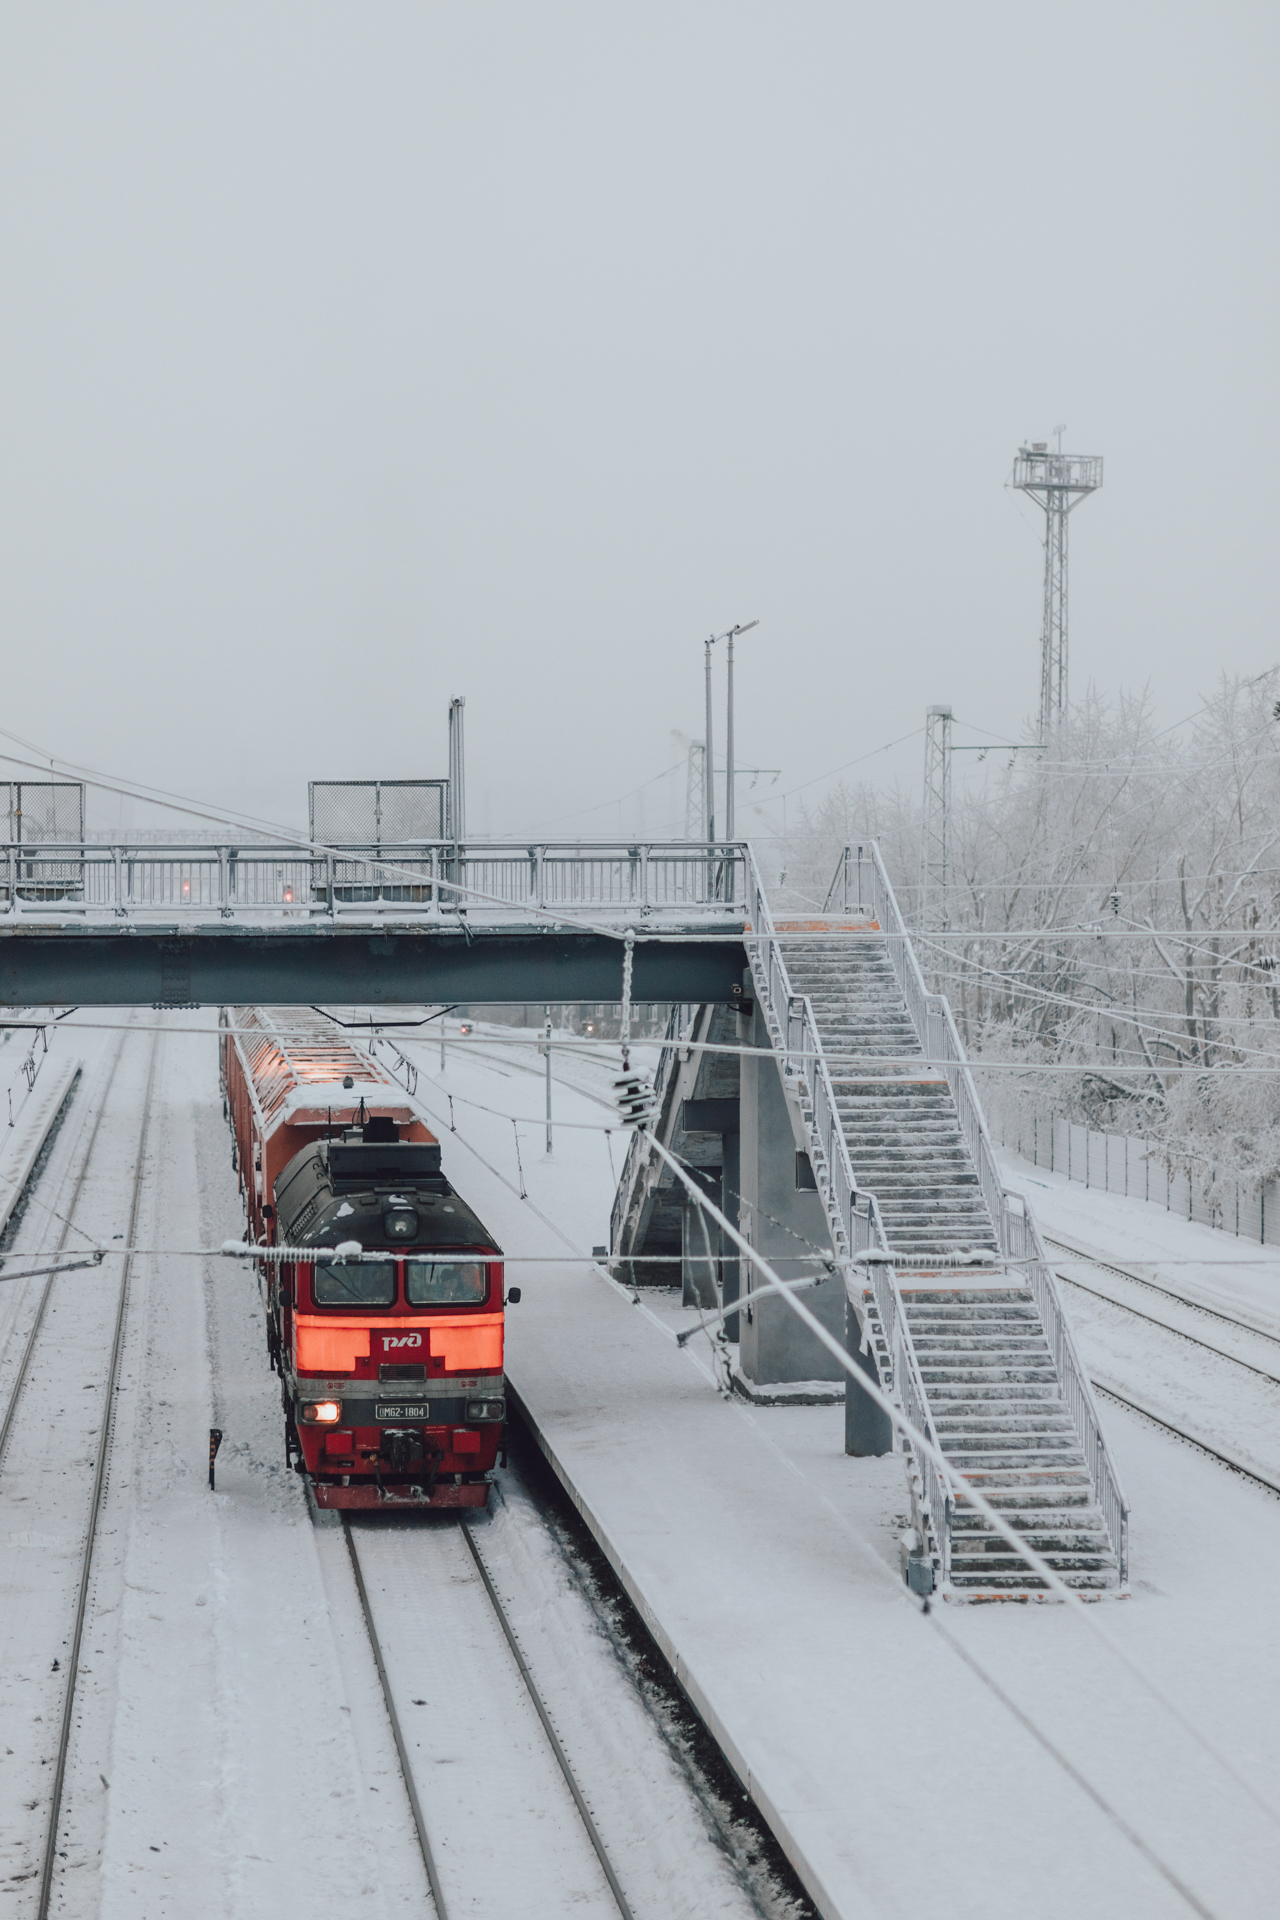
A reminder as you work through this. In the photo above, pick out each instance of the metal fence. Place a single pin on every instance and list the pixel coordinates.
(1135, 1166)
(377, 812)
(42, 814)
(440, 877)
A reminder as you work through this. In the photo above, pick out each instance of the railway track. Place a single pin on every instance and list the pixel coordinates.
(91, 1325)
(1203, 1445)
(442, 1566)
(1137, 1403)
(1267, 1344)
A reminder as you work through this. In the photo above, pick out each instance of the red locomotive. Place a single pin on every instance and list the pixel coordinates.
(391, 1369)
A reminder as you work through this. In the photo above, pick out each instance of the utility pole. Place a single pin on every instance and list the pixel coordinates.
(1057, 482)
(730, 634)
(546, 1048)
(709, 763)
(937, 813)
(728, 748)
(457, 773)
(935, 839)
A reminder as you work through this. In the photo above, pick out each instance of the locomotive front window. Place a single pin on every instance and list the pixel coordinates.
(445, 1283)
(365, 1283)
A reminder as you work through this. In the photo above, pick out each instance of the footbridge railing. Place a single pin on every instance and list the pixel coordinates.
(647, 880)
(854, 1217)
(861, 884)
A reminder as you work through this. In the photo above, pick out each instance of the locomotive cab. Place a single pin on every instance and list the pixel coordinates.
(392, 1363)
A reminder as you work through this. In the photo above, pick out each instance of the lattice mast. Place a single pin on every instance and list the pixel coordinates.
(695, 792)
(1057, 482)
(937, 813)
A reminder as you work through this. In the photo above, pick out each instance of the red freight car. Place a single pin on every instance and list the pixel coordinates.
(391, 1369)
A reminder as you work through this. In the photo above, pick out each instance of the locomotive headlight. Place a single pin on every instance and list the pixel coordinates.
(485, 1409)
(322, 1413)
(400, 1223)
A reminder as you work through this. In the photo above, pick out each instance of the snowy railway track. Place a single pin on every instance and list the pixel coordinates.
(1197, 1440)
(92, 1323)
(1266, 1345)
(1251, 1337)
(415, 1573)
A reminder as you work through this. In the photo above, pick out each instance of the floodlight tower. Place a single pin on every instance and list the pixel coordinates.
(937, 810)
(1058, 482)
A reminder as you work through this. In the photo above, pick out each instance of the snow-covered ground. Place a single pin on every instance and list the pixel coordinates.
(993, 1760)
(230, 1750)
(1172, 1372)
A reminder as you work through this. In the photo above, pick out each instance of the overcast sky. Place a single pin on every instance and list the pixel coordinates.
(353, 357)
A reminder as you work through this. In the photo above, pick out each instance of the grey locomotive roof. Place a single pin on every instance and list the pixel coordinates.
(319, 1205)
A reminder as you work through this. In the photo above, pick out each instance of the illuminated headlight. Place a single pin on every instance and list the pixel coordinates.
(486, 1409)
(401, 1223)
(322, 1413)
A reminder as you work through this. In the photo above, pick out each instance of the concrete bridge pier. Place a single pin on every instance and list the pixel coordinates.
(783, 1218)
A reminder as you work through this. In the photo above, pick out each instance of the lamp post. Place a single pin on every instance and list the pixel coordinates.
(730, 634)
(708, 759)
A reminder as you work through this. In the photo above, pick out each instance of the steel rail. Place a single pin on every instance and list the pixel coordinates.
(562, 1758)
(15, 1393)
(95, 1500)
(1195, 1306)
(406, 1771)
(1225, 1459)
(1220, 1353)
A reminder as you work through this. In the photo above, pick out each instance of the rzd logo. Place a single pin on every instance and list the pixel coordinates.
(393, 1340)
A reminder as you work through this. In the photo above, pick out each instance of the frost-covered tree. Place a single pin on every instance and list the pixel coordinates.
(1126, 887)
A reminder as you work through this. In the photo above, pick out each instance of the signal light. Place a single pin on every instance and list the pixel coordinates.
(322, 1413)
(634, 1098)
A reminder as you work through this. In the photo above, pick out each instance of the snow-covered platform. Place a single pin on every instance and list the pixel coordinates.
(979, 1760)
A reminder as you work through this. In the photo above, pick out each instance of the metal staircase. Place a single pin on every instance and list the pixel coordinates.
(965, 1319)
(957, 1301)
(900, 1123)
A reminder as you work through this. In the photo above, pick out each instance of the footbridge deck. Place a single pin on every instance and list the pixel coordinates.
(290, 923)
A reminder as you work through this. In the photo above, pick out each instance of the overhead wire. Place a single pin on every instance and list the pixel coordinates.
(774, 1284)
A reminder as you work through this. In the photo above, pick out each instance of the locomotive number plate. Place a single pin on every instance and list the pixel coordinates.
(399, 1410)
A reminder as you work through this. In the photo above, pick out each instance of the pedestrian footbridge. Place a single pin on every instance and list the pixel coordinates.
(816, 1088)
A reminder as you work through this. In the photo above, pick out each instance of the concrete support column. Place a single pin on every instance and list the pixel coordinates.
(785, 1221)
(868, 1430)
(731, 1207)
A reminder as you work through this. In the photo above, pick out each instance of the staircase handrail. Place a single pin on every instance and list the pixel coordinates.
(931, 1501)
(1022, 1232)
(638, 1147)
(943, 1043)
(930, 1013)
(1016, 1228)
(839, 884)
(855, 1226)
